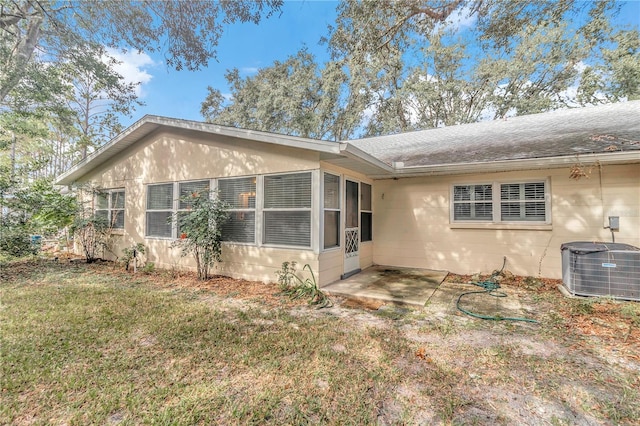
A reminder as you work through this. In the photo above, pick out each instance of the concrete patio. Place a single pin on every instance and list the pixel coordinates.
(425, 288)
(390, 284)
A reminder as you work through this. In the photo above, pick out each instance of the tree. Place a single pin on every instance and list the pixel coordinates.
(200, 230)
(294, 97)
(188, 32)
(518, 57)
(415, 64)
(96, 97)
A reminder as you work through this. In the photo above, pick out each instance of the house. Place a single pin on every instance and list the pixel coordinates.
(458, 198)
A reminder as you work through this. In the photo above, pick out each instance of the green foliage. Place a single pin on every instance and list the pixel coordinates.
(148, 268)
(631, 310)
(49, 209)
(294, 97)
(15, 241)
(200, 230)
(411, 65)
(56, 29)
(296, 288)
(133, 256)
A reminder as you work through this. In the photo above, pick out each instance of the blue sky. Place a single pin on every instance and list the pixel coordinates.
(249, 47)
(243, 46)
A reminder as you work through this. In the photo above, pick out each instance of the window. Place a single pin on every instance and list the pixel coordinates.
(501, 202)
(110, 206)
(522, 202)
(186, 190)
(287, 209)
(472, 202)
(159, 210)
(331, 208)
(240, 195)
(366, 214)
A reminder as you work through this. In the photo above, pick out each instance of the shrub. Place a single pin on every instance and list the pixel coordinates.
(15, 241)
(201, 230)
(92, 233)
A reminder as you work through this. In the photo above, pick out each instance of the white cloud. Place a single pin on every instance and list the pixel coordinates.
(133, 67)
(462, 18)
(459, 20)
(249, 70)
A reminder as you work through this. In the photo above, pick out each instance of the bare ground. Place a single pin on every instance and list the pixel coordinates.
(580, 364)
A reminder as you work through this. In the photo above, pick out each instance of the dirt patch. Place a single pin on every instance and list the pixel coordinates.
(579, 364)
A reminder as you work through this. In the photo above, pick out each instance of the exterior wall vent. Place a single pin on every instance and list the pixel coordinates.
(601, 269)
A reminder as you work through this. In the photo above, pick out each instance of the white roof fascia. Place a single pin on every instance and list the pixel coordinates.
(150, 123)
(351, 151)
(625, 157)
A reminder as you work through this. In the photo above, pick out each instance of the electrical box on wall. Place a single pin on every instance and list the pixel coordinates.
(614, 223)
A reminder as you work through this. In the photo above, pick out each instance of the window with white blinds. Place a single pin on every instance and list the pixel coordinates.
(473, 202)
(331, 209)
(500, 202)
(110, 207)
(523, 202)
(240, 195)
(159, 210)
(287, 209)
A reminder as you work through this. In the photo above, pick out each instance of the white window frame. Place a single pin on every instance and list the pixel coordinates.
(175, 205)
(472, 203)
(110, 207)
(172, 210)
(326, 209)
(362, 210)
(265, 210)
(496, 203)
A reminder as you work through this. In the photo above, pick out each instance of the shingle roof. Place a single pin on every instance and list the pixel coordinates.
(597, 129)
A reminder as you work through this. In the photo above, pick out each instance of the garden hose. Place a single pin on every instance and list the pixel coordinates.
(490, 287)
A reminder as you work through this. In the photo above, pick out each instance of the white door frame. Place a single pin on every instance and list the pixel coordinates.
(351, 227)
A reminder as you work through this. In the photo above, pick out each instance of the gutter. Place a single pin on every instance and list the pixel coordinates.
(511, 165)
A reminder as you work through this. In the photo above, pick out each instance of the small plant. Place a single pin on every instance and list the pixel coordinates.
(582, 307)
(295, 287)
(133, 256)
(148, 268)
(286, 275)
(631, 311)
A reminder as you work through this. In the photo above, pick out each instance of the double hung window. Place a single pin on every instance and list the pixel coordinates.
(331, 207)
(159, 210)
(287, 209)
(110, 207)
(366, 213)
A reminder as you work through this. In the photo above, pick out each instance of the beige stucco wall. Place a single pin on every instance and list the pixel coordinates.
(169, 157)
(412, 225)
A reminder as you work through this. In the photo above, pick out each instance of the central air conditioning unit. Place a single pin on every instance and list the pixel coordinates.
(601, 269)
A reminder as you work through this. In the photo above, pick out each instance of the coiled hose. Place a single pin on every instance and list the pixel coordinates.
(490, 287)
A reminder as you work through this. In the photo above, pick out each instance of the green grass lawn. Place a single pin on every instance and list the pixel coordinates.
(85, 344)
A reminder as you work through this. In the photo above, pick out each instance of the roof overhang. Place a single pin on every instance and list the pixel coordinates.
(626, 157)
(152, 123)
